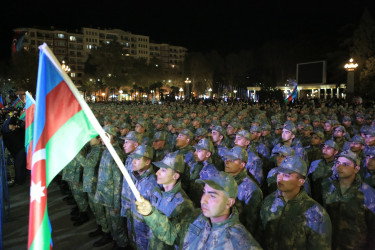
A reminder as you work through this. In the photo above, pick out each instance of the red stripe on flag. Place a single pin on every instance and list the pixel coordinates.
(30, 116)
(61, 105)
(29, 155)
(37, 209)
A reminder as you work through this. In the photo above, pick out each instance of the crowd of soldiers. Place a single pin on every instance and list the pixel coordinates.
(232, 176)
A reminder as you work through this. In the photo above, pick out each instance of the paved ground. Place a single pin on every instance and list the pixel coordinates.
(64, 234)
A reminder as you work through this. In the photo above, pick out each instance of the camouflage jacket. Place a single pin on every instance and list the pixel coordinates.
(197, 232)
(352, 214)
(160, 153)
(318, 171)
(138, 231)
(199, 170)
(69, 172)
(90, 166)
(262, 149)
(175, 204)
(108, 188)
(300, 223)
(313, 153)
(297, 146)
(267, 141)
(249, 201)
(369, 178)
(254, 166)
(171, 141)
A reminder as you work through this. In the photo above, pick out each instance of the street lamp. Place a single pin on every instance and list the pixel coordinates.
(181, 90)
(187, 81)
(235, 93)
(350, 68)
(120, 91)
(103, 94)
(209, 91)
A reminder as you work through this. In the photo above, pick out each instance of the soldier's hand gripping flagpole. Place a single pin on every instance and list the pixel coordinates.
(96, 125)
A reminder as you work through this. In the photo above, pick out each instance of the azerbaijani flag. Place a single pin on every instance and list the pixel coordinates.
(61, 129)
(293, 94)
(1, 102)
(29, 124)
(17, 103)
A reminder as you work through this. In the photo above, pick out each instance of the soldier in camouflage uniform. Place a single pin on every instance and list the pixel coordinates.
(306, 138)
(220, 140)
(132, 140)
(351, 205)
(369, 139)
(347, 123)
(142, 128)
(144, 178)
(172, 135)
(172, 200)
(108, 193)
(249, 197)
(90, 165)
(213, 227)
(159, 145)
(321, 169)
(266, 138)
(290, 218)
(369, 173)
(183, 145)
(339, 136)
(260, 147)
(199, 134)
(200, 168)
(314, 149)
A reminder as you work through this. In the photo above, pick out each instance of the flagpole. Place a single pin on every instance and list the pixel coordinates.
(92, 119)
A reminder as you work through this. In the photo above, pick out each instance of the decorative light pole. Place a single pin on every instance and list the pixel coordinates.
(120, 91)
(65, 67)
(187, 81)
(350, 68)
(209, 92)
(235, 93)
(181, 91)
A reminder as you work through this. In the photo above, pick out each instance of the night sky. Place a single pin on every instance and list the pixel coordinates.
(224, 26)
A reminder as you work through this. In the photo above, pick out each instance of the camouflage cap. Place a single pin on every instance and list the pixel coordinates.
(219, 129)
(223, 182)
(234, 124)
(133, 136)
(180, 124)
(350, 155)
(159, 121)
(172, 122)
(237, 153)
(245, 134)
(370, 152)
(293, 164)
(315, 118)
(318, 133)
(160, 136)
(173, 160)
(279, 126)
(340, 127)
(198, 119)
(358, 139)
(285, 151)
(359, 115)
(143, 123)
(290, 127)
(308, 127)
(368, 117)
(188, 133)
(201, 132)
(346, 119)
(371, 131)
(306, 117)
(125, 125)
(255, 128)
(143, 151)
(265, 126)
(332, 144)
(205, 144)
(110, 129)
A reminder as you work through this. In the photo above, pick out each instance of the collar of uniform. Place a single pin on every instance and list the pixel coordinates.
(300, 196)
(171, 193)
(230, 221)
(239, 178)
(186, 149)
(147, 173)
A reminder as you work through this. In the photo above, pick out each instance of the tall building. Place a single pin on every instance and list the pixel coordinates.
(74, 47)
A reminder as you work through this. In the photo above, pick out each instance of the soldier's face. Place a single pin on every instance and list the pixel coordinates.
(370, 163)
(316, 140)
(370, 140)
(230, 130)
(347, 123)
(328, 152)
(158, 144)
(234, 167)
(201, 155)
(216, 137)
(338, 133)
(94, 141)
(140, 165)
(182, 141)
(265, 133)
(214, 202)
(345, 168)
(287, 182)
(130, 146)
(279, 159)
(356, 147)
(139, 129)
(359, 120)
(287, 135)
(124, 131)
(254, 135)
(241, 141)
(164, 176)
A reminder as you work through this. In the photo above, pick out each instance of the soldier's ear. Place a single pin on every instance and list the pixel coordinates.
(301, 182)
(176, 175)
(230, 202)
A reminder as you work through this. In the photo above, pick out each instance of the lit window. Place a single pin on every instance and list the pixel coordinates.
(60, 35)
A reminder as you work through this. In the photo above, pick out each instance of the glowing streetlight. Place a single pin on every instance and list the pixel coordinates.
(209, 91)
(351, 66)
(187, 81)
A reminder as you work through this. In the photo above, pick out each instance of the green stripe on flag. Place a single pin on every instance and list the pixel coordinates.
(66, 143)
(29, 134)
(42, 238)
